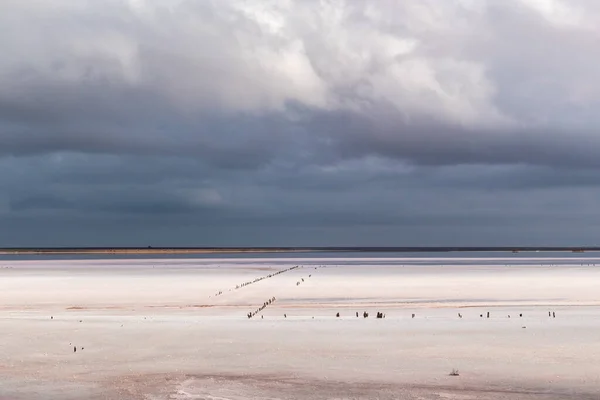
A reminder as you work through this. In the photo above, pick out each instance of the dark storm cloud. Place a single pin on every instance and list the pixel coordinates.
(427, 142)
(37, 202)
(401, 119)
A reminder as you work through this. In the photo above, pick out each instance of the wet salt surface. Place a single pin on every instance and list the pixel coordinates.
(163, 334)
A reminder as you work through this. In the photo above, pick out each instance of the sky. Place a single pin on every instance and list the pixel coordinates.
(299, 123)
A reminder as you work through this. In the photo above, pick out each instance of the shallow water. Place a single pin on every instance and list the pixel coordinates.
(313, 255)
(155, 328)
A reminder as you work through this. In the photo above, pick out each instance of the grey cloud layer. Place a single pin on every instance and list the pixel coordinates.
(319, 113)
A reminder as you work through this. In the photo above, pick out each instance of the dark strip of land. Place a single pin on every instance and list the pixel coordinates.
(231, 250)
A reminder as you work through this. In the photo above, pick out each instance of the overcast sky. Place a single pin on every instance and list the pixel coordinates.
(309, 122)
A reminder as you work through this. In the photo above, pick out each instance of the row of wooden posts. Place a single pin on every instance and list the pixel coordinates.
(220, 292)
(301, 280)
(265, 277)
(381, 315)
(259, 309)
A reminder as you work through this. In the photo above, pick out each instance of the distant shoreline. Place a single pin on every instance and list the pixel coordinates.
(140, 251)
(238, 250)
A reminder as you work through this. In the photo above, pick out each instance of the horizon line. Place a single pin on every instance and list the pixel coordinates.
(289, 249)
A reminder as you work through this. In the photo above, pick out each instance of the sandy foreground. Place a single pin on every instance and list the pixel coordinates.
(178, 329)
